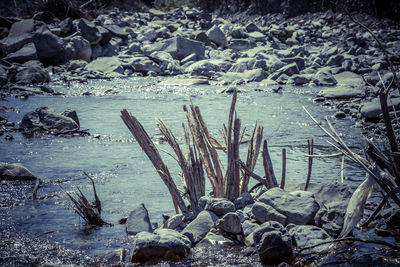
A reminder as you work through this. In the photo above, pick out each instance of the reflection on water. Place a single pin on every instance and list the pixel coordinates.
(123, 174)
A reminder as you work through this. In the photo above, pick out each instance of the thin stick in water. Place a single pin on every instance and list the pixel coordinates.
(310, 161)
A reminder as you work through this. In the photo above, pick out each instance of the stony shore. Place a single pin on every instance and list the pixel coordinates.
(193, 47)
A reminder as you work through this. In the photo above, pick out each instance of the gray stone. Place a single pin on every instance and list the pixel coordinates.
(212, 239)
(50, 47)
(372, 110)
(251, 27)
(71, 114)
(298, 60)
(230, 223)
(88, 31)
(29, 73)
(249, 227)
(263, 213)
(109, 66)
(134, 48)
(117, 31)
(174, 221)
(15, 171)
(300, 79)
(162, 245)
(243, 200)
(299, 207)
(78, 48)
(184, 81)
(110, 50)
(267, 227)
(21, 33)
(275, 248)
(66, 26)
(178, 47)
(26, 53)
(200, 226)
(289, 70)
(324, 78)
(256, 36)
(208, 67)
(256, 75)
(219, 206)
(335, 60)
(309, 235)
(138, 221)
(342, 92)
(46, 119)
(239, 32)
(141, 64)
(241, 44)
(217, 36)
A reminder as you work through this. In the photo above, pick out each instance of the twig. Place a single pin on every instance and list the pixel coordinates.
(283, 168)
(342, 171)
(96, 198)
(379, 242)
(35, 189)
(310, 145)
(325, 156)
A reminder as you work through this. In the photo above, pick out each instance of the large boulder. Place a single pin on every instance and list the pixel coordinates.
(46, 120)
(26, 53)
(15, 172)
(162, 245)
(324, 77)
(141, 64)
(88, 30)
(230, 223)
(30, 72)
(138, 221)
(200, 226)
(78, 48)
(21, 33)
(299, 207)
(178, 47)
(220, 206)
(208, 67)
(217, 36)
(50, 47)
(263, 213)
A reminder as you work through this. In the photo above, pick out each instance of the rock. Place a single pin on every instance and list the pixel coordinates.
(76, 64)
(178, 47)
(15, 172)
(309, 235)
(88, 31)
(71, 114)
(239, 32)
(109, 66)
(340, 115)
(21, 33)
(289, 70)
(147, 35)
(3, 77)
(300, 79)
(141, 64)
(66, 27)
(200, 226)
(243, 200)
(298, 207)
(256, 36)
(217, 36)
(256, 75)
(249, 227)
(241, 44)
(230, 223)
(26, 53)
(174, 221)
(219, 206)
(78, 48)
(138, 221)
(263, 213)
(45, 120)
(274, 248)
(212, 239)
(162, 245)
(117, 31)
(298, 60)
(110, 50)
(185, 82)
(208, 67)
(30, 72)
(134, 48)
(324, 78)
(335, 60)
(251, 27)
(202, 37)
(372, 110)
(45, 16)
(342, 92)
(267, 227)
(50, 47)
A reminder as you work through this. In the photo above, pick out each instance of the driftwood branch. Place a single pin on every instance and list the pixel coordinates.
(35, 188)
(310, 145)
(269, 170)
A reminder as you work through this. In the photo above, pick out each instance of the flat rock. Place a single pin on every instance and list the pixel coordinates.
(109, 66)
(309, 235)
(220, 206)
(342, 92)
(185, 81)
(162, 245)
(26, 53)
(263, 213)
(299, 208)
(138, 221)
(15, 171)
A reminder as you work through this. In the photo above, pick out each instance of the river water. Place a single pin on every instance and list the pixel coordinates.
(123, 175)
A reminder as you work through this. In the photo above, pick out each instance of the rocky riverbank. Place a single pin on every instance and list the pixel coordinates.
(321, 49)
(192, 47)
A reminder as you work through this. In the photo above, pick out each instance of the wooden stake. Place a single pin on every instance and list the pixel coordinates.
(310, 146)
(283, 168)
